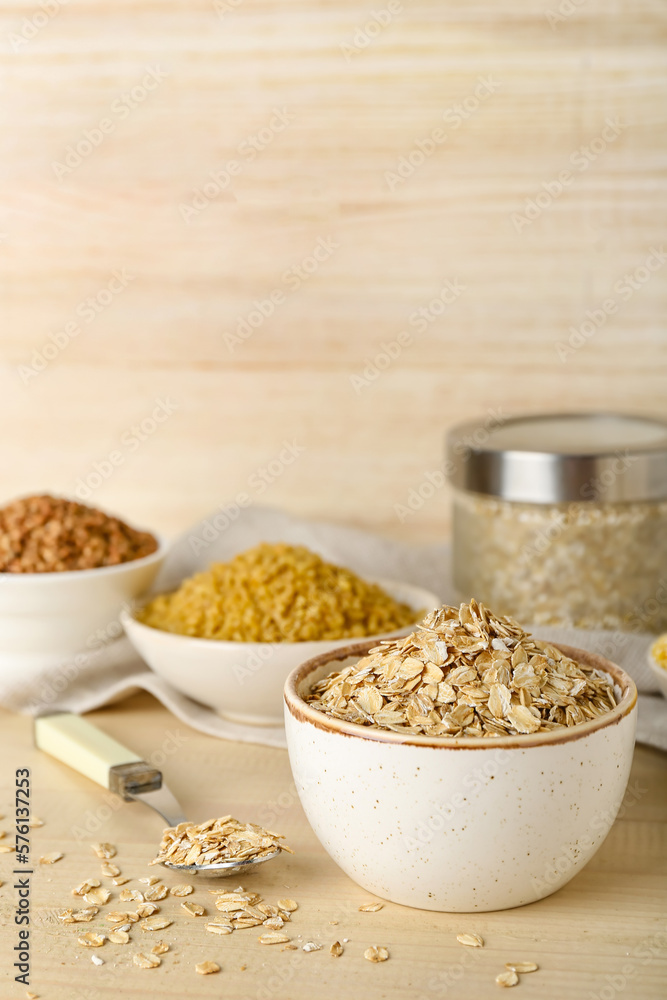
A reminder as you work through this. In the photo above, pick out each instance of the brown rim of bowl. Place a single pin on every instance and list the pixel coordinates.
(303, 712)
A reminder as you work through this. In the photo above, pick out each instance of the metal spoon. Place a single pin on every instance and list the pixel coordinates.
(80, 745)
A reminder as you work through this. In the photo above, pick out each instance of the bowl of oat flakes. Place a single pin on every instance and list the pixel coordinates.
(65, 572)
(229, 635)
(465, 767)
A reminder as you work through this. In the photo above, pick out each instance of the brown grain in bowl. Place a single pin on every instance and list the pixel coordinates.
(46, 534)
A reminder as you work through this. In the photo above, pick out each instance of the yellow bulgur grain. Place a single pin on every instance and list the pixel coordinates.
(277, 593)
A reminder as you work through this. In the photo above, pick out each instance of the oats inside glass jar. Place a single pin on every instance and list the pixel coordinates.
(561, 518)
(591, 565)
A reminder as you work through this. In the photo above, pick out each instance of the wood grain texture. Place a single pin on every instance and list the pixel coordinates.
(608, 922)
(516, 94)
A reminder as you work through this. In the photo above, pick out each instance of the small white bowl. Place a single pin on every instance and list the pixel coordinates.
(458, 824)
(244, 681)
(659, 672)
(47, 618)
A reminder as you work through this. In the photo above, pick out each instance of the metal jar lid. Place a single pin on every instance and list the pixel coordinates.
(561, 457)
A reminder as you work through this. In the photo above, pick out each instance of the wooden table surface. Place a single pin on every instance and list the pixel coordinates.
(604, 935)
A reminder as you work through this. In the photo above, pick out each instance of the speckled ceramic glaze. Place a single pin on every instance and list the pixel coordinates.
(458, 824)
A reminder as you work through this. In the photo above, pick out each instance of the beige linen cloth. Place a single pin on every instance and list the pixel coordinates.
(115, 671)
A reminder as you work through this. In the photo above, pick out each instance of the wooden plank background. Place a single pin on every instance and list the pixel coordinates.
(515, 91)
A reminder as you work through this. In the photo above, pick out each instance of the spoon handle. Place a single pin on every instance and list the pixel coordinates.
(86, 749)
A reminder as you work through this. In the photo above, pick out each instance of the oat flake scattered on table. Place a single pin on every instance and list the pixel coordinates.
(50, 859)
(207, 968)
(97, 896)
(181, 890)
(155, 923)
(146, 961)
(238, 909)
(131, 896)
(522, 967)
(375, 954)
(70, 916)
(288, 904)
(155, 892)
(465, 672)
(120, 917)
(91, 940)
(118, 937)
(507, 979)
(104, 851)
(85, 886)
(273, 937)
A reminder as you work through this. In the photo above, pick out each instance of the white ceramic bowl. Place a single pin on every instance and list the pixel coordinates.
(659, 672)
(47, 618)
(244, 681)
(458, 824)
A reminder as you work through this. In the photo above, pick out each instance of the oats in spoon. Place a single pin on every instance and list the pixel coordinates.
(217, 840)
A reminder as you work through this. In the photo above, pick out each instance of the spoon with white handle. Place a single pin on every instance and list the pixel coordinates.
(80, 745)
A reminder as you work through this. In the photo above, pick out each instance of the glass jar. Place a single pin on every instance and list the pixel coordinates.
(561, 519)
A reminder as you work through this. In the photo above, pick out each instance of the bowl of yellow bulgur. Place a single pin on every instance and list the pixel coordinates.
(229, 636)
